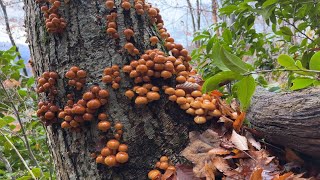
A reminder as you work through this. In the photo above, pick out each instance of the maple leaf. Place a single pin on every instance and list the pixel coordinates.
(239, 141)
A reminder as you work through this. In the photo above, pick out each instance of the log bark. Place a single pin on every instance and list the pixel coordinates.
(160, 128)
(289, 119)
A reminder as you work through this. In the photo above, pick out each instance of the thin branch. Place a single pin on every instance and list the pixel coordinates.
(7, 164)
(192, 16)
(215, 14)
(281, 70)
(3, 7)
(16, 112)
(294, 26)
(18, 153)
(198, 14)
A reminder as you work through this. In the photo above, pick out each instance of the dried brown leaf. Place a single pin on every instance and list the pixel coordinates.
(256, 174)
(237, 124)
(168, 174)
(291, 156)
(185, 172)
(282, 177)
(239, 141)
(197, 152)
(188, 86)
(221, 164)
(225, 108)
(219, 151)
(252, 141)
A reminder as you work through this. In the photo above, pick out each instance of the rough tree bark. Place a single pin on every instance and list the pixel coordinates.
(288, 119)
(160, 128)
(157, 129)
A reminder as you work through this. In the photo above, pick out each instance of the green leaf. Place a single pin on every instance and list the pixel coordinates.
(36, 172)
(6, 120)
(217, 80)
(228, 9)
(199, 37)
(302, 26)
(30, 81)
(25, 178)
(227, 36)
(315, 62)
(233, 62)
(305, 60)
(286, 31)
(268, 3)
(23, 92)
(210, 44)
(299, 64)
(316, 83)
(286, 61)
(216, 58)
(245, 91)
(301, 83)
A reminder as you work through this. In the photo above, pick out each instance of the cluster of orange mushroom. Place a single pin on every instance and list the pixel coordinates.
(76, 113)
(195, 103)
(114, 154)
(47, 84)
(145, 94)
(163, 165)
(112, 25)
(112, 76)
(54, 22)
(104, 125)
(77, 77)
(139, 6)
(47, 112)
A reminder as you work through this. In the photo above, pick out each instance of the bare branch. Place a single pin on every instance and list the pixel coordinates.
(16, 112)
(3, 7)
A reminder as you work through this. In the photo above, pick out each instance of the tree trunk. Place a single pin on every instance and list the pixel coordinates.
(160, 128)
(288, 119)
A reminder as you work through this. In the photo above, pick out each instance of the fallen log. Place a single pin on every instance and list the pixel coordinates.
(290, 119)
